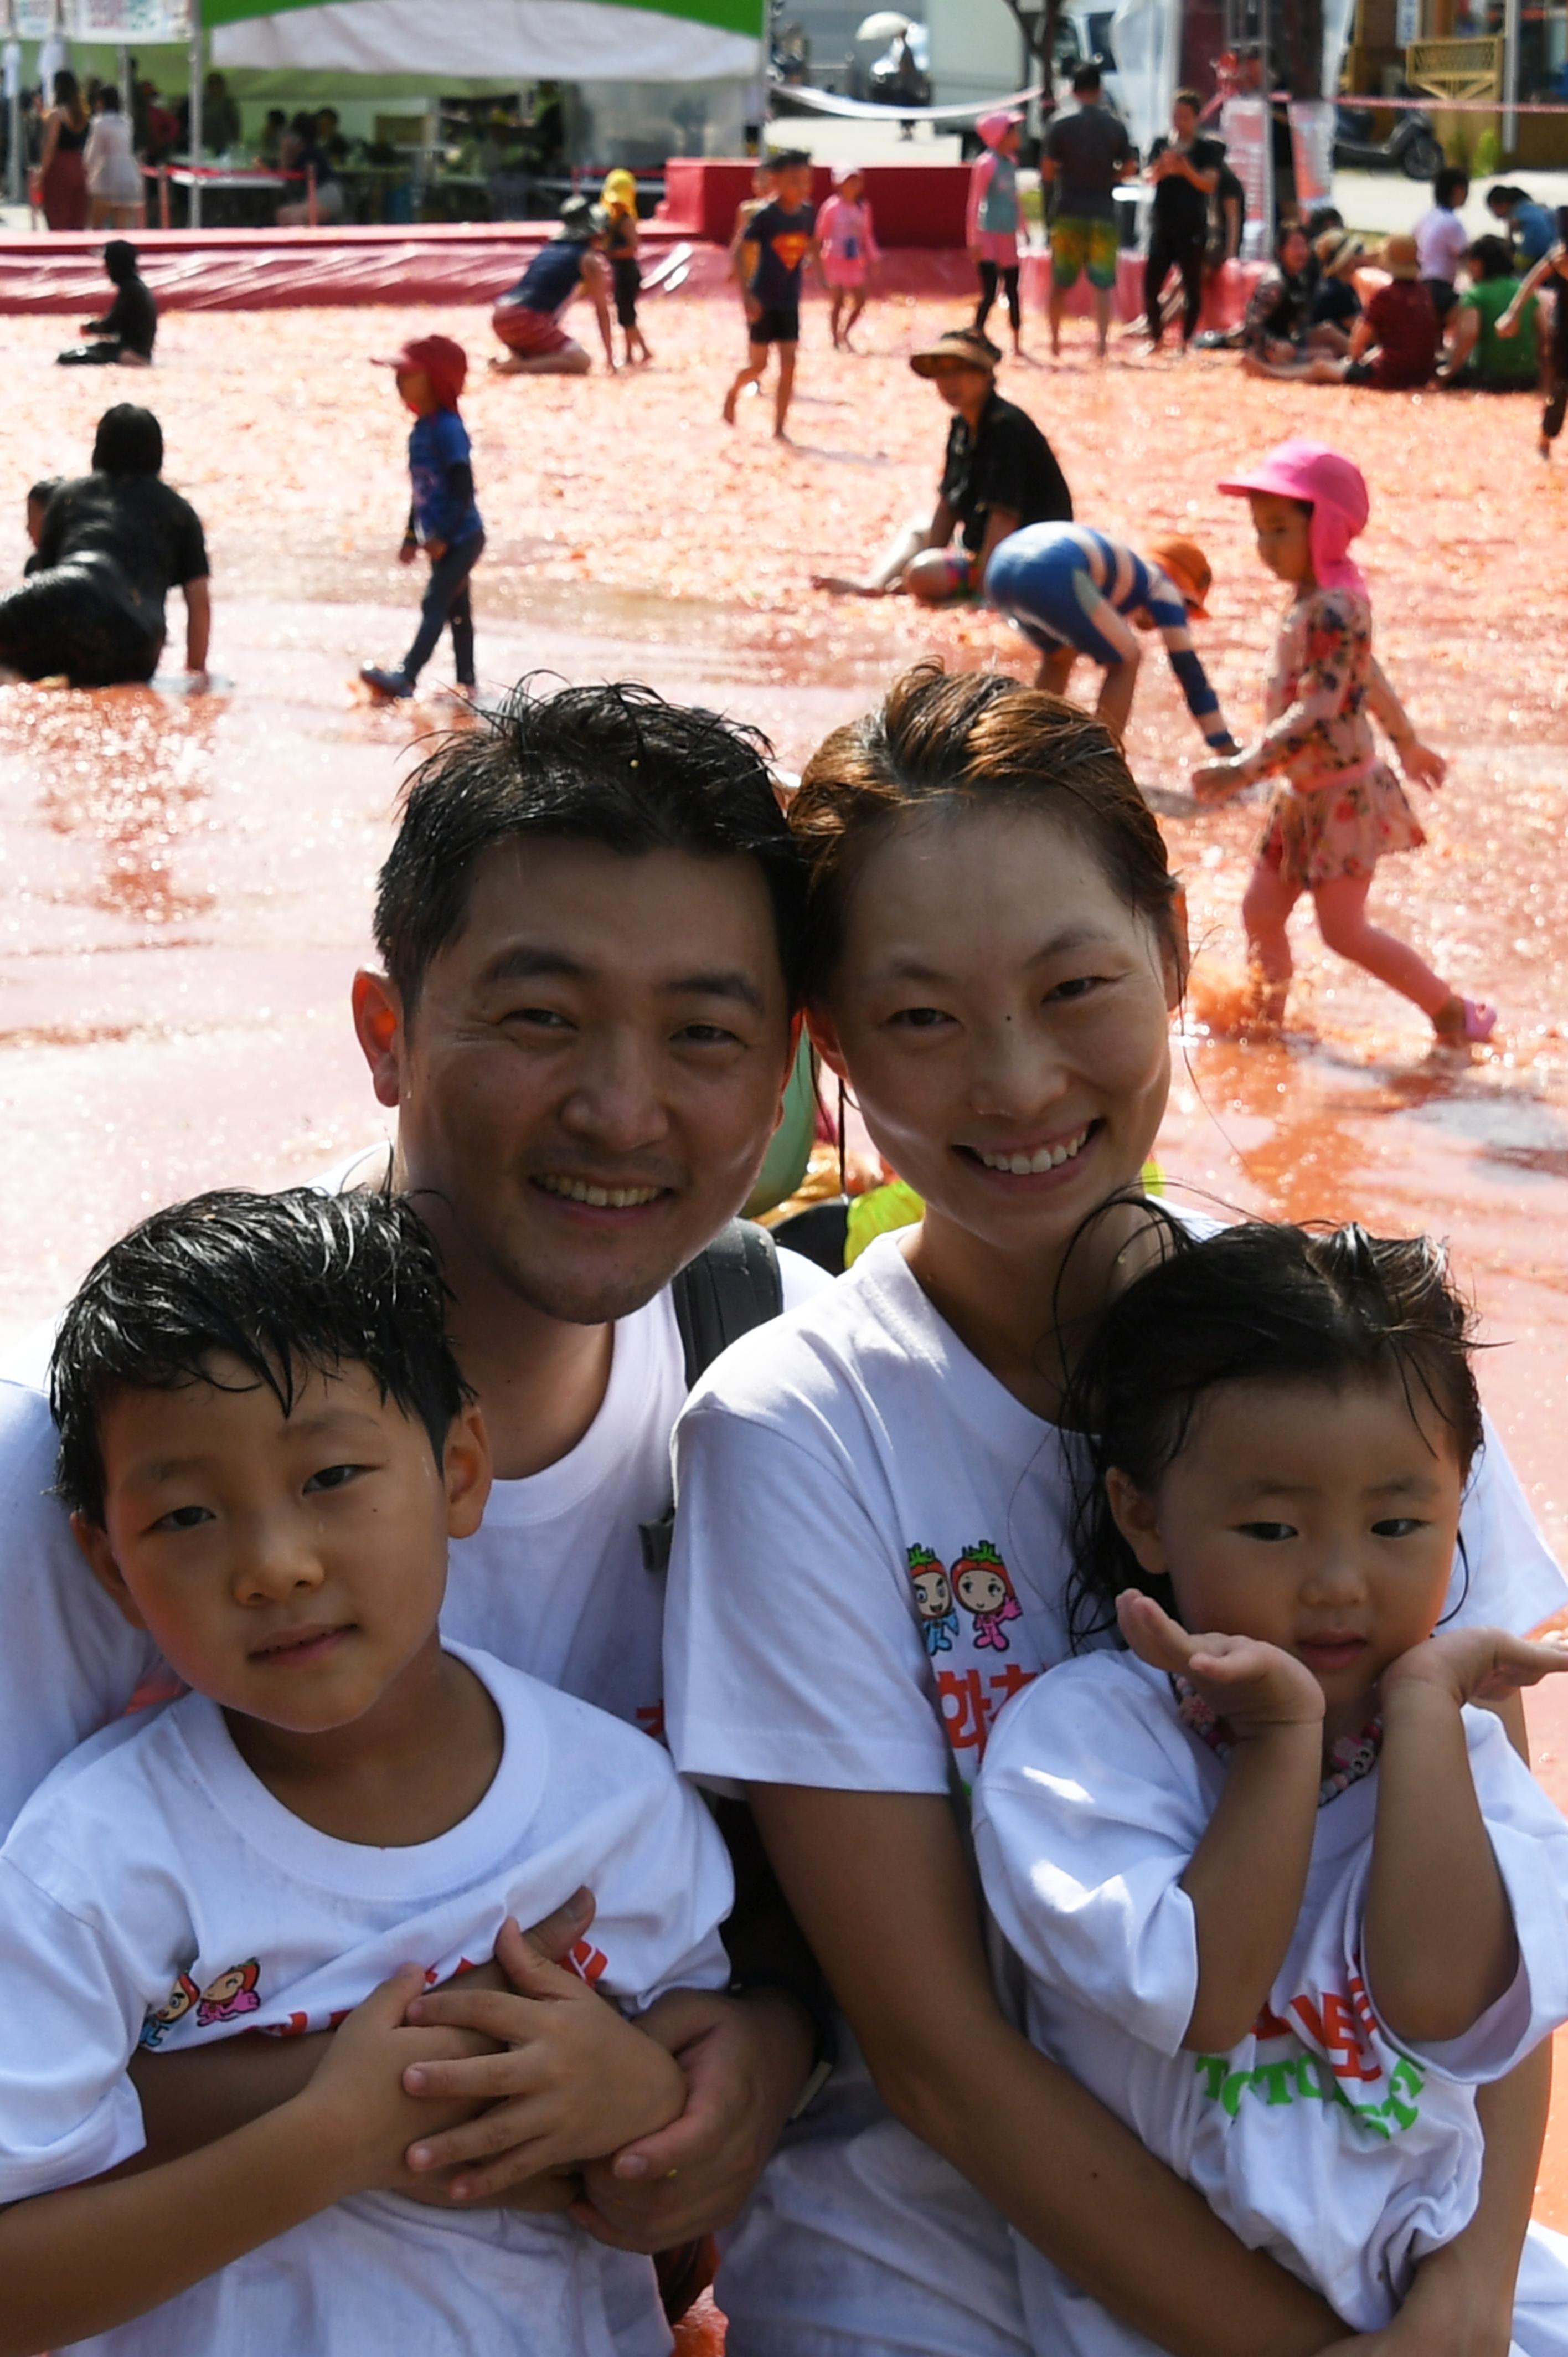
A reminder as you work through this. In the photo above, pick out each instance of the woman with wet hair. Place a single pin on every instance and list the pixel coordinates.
(873, 1553)
(113, 545)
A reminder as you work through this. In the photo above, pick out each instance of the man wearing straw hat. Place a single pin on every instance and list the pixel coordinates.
(999, 473)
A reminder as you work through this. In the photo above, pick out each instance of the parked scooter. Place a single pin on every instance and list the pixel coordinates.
(1412, 146)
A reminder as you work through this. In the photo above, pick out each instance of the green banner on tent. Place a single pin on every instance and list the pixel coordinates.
(746, 16)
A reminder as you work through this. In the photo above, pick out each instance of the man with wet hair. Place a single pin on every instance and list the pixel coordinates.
(589, 929)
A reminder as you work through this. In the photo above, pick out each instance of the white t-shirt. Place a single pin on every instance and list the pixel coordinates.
(871, 1556)
(1321, 2139)
(1442, 242)
(552, 1581)
(155, 1892)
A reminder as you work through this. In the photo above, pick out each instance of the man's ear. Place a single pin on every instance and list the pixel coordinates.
(94, 1540)
(378, 1023)
(1134, 1514)
(466, 1472)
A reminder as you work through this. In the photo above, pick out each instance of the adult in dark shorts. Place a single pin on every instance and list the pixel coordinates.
(528, 317)
(114, 544)
(1087, 152)
(774, 247)
(999, 473)
(1185, 169)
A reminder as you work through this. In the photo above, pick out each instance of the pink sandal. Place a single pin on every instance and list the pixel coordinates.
(1474, 1024)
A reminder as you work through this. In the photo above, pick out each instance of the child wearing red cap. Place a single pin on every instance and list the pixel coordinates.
(1337, 808)
(443, 518)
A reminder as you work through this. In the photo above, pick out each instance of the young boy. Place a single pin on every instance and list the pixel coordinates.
(767, 259)
(128, 329)
(266, 1446)
(443, 517)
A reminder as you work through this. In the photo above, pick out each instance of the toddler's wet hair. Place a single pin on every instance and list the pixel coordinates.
(290, 1285)
(1259, 1303)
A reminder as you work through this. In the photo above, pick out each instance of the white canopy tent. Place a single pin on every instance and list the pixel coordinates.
(567, 40)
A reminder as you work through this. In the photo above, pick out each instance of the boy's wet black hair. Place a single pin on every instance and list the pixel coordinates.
(129, 441)
(613, 765)
(1253, 1304)
(120, 260)
(291, 1285)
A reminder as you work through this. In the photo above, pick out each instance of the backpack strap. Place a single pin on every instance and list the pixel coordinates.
(731, 1287)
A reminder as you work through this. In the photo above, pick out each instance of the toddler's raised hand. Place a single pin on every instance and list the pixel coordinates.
(1252, 1685)
(1475, 1664)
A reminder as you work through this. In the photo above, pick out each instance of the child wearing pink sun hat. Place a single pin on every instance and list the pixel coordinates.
(1338, 807)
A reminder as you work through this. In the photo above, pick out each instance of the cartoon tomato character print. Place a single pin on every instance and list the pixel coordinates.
(175, 2007)
(982, 1585)
(231, 1994)
(933, 1601)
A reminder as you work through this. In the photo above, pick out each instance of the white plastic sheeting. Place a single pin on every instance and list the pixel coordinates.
(1145, 40)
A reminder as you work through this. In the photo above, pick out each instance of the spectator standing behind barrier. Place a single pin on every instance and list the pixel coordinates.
(999, 472)
(991, 218)
(113, 175)
(1086, 153)
(1185, 169)
(1441, 238)
(1476, 354)
(129, 327)
(60, 183)
(304, 153)
(114, 544)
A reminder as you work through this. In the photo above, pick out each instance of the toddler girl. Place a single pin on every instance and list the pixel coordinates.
(1337, 808)
(1282, 1898)
(847, 241)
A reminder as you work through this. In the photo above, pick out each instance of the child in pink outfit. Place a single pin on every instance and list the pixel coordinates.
(1338, 807)
(849, 247)
(991, 220)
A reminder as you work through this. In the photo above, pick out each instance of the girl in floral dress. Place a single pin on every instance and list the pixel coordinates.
(1337, 808)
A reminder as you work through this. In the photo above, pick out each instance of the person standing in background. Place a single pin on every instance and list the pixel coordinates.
(114, 175)
(847, 241)
(1185, 169)
(991, 229)
(60, 183)
(1087, 152)
(1441, 237)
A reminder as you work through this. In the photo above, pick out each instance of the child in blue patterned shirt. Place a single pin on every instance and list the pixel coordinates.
(443, 518)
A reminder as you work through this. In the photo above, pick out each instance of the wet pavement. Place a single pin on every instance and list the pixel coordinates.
(188, 880)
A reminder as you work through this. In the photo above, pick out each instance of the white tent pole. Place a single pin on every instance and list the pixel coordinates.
(1511, 76)
(195, 95)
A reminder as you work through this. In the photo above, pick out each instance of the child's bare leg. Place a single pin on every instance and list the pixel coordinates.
(752, 374)
(1342, 921)
(1055, 670)
(784, 387)
(856, 307)
(1265, 911)
(835, 316)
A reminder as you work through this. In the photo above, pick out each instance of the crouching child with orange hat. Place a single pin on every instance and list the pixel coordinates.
(443, 518)
(1073, 591)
